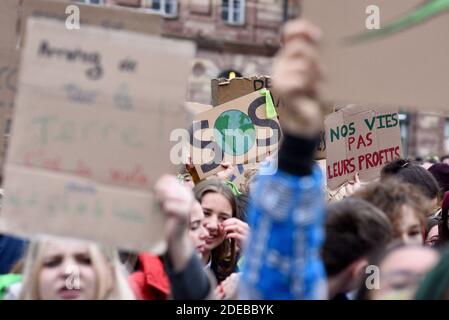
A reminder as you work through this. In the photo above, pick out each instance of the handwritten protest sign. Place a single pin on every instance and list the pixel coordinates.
(360, 139)
(8, 78)
(14, 14)
(8, 18)
(403, 63)
(226, 90)
(91, 133)
(8, 64)
(193, 108)
(109, 17)
(236, 132)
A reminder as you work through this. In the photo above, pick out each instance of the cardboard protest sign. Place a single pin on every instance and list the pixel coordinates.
(9, 61)
(8, 64)
(91, 133)
(8, 18)
(109, 17)
(360, 139)
(193, 108)
(236, 132)
(226, 90)
(14, 14)
(241, 174)
(404, 63)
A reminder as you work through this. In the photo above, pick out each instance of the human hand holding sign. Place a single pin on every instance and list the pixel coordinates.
(176, 202)
(296, 77)
(227, 172)
(352, 186)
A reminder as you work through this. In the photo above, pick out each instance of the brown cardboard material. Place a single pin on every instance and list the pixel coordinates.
(409, 68)
(360, 139)
(109, 17)
(226, 90)
(13, 19)
(8, 17)
(239, 177)
(194, 108)
(9, 62)
(247, 112)
(91, 134)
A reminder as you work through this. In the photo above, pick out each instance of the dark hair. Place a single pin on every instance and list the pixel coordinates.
(443, 231)
(444, 157)
(440, 172)
(431, 222)
(435, 240)
(376, 259)
(224, 257)
(391, 195)
(242, 206)
(413, 173)
(354, 229)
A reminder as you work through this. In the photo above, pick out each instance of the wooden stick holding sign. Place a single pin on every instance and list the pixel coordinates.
(237, 132)
(91, 134)
(360, 139)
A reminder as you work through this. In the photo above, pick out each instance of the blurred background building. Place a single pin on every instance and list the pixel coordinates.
(240, 37)
(234, 37)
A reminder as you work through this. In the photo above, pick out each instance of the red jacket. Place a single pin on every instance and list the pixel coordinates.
(150, 282)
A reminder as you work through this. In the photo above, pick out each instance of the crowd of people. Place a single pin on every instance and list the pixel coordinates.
(281, 236)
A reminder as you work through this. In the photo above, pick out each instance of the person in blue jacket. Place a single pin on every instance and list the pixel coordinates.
(11, 250)
(286, 211)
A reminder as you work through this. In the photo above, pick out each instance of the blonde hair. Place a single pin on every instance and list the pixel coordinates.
(110, 285)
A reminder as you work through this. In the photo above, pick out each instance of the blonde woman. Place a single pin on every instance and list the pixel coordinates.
(70, 269)
(62, 269)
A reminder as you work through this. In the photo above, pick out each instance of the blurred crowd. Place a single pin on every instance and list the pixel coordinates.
(280, 236)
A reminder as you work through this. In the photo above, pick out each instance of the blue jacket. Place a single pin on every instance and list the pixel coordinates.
(286, 217)
(11, 250)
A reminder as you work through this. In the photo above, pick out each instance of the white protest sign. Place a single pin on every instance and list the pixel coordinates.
(360, 139)
(91, 133)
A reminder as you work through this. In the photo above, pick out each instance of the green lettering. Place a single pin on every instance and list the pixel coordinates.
(370, 125)
(43, 122)
(335, 133)
(395, 118)
(381, 124)
(351, 128)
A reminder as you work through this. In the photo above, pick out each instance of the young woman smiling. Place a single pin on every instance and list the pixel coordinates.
(227, 232)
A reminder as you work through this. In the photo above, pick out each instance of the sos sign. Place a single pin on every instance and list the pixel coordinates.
(238, 132)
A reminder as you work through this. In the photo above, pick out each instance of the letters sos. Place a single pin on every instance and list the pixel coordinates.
(219, 153)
